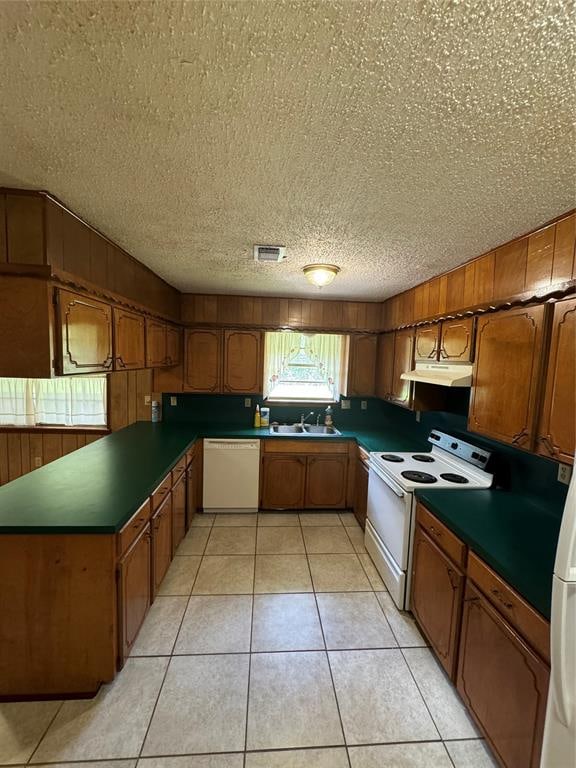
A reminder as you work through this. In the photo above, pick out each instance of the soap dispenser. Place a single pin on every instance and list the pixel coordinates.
(328, 416)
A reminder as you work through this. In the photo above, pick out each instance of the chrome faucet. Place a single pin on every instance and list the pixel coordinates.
(303, 418)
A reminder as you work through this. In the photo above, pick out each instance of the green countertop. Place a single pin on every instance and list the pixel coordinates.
(516, 535)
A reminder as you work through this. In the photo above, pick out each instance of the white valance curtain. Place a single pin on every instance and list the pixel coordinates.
(326, 349)
(65, 401)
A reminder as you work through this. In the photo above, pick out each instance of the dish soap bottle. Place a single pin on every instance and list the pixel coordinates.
(328, 417)
(257, 418)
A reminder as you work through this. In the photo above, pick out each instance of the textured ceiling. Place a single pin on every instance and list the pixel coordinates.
(396, 138)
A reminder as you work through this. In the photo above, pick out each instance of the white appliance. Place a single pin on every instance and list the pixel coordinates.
(559, 747)
(442, 374)
(231, 475)
(392, 480)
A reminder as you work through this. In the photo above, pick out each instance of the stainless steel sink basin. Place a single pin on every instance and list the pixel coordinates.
(309, 429)
(313, 429)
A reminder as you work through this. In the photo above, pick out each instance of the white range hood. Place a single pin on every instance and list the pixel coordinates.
(442, 374)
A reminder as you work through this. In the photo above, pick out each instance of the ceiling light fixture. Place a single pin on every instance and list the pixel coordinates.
(320, 274)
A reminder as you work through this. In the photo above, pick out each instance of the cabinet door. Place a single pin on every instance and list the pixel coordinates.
(283, 481)
(437, 590)
(161, 542)
(557, 429)
(362, 365)
(457, 341)
(178, 512)
(385, 366)
(129, 340)
(503, 683)
(191, 494)
(507, 375)
(403, 359)
(326, 482)
(156, 351)
(361, 492)
(426, 343)
(133, 591)
(243, 371)
(86, 334)
(203, 361)
(173, 345)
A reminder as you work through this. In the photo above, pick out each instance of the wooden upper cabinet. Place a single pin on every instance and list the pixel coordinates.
(510, 269)
(437, 593)
(557, 431)
(203, 360)
(134, 591)
(85, 331)
(457, 341)
(403, 359)
(173, 345)
(129, 340)
(564, 266)
(503, 683)
(427, 339)
(243, 362)
(507, 373)
(362, 365)
(156, 352)
(385, 365)
(326, 482)
(283, 482)
(540, 258)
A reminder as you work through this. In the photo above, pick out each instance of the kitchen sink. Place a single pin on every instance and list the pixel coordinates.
(308, 429)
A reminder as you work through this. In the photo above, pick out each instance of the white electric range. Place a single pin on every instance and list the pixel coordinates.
(393, 478)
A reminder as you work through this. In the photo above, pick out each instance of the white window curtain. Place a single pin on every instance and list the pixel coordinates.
(66, 401)
(328, 348)
(277, 348)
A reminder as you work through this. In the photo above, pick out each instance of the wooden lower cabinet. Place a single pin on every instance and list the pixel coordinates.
(361, 491)
(283, 482)
(178, 511)
(503, 683)
(134, 591)
(437, 591)
(161, 542)
(326, 482)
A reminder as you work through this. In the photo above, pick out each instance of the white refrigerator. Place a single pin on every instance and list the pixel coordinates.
(559, 748)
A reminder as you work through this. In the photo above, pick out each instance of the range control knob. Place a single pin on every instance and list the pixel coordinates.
(454, 445)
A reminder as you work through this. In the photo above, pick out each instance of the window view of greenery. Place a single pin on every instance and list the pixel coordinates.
(303, 367)
(66, 401)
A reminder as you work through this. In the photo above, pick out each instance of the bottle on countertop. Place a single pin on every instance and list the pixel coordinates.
(156, 411)
(328, 422)
(257, 420)
(264, 417)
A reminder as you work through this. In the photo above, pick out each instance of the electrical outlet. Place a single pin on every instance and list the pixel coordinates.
(173, 400)
(345, 405)
(247, 402)
(363, 405)
(37, 462)
(147, 399)
(564, 473)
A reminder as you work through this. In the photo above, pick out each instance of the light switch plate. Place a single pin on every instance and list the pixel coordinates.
(564, 473)
(345, 405)
(173, 401)
(247, 402)
(37, 462)
(363, 405)
(147, 399)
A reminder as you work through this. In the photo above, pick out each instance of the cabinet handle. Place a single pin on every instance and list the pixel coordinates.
(501, 599)
(472, 600)
(451, 574)
(120, 361)
(434, 532)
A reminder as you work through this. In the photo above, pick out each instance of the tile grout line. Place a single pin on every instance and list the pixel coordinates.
(58, 709)
(250, 646)
(421, 695)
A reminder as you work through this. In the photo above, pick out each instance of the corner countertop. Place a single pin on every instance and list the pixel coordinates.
(514, 534)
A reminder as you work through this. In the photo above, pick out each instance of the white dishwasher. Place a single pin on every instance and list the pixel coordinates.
(231, 475)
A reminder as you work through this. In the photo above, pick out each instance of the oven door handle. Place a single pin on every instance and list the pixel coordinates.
(388, 480)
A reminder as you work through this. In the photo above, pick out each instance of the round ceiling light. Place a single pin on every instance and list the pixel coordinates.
(320, 274)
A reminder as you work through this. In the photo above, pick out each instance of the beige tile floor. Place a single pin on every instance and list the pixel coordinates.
(273, 644)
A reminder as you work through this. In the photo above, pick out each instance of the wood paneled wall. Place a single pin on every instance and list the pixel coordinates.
(265, 312)
(21, 451)
(35, 228)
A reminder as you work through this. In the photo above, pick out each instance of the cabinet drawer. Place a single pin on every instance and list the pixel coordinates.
(132, 528)
(363, 455)
(281, 445)
(443, 536)
(178, 469)
(161, 492)
(531, 625)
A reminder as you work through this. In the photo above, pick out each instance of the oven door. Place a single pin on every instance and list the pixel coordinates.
(390, 513)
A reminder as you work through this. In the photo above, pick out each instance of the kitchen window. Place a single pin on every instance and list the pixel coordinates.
(67, 401)
(303, 367)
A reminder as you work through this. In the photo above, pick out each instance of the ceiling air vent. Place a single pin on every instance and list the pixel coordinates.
(269, 253)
